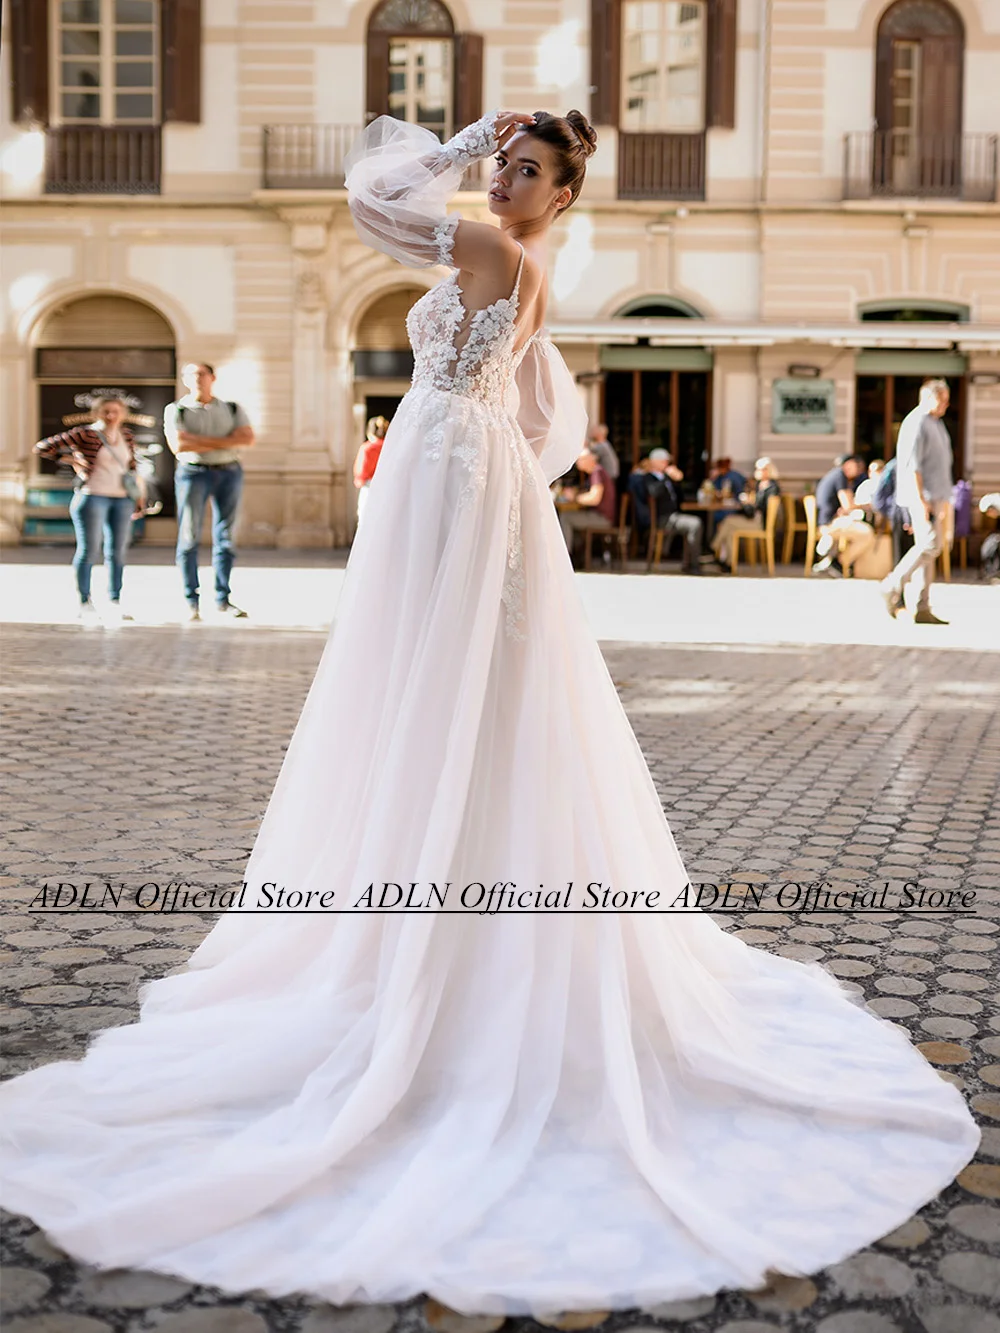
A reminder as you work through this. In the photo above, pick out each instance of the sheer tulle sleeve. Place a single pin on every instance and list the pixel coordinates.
(548, 407)
(399, 180)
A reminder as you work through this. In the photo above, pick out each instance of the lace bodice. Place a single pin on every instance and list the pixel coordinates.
(462, 352)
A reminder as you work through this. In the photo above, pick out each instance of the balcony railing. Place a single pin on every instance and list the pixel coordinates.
(896, 163)
(102, 159)
(661, 166)
(311, 157)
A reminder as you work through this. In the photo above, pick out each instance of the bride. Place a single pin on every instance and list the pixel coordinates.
(516, 1112)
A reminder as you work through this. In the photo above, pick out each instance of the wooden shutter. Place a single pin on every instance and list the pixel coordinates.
(29, 58)
(468, 80)
(941, 86)
(181, 60)
(722, 29)
(377, 76)
(605, 61)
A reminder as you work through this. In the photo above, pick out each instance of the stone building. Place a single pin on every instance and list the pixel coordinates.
(790, 220)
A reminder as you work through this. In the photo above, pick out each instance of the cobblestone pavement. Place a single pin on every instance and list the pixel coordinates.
(148, 755)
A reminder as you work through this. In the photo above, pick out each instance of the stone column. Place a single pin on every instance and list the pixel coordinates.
(308, 473)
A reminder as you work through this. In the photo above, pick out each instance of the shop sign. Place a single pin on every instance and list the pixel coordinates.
(803, 407)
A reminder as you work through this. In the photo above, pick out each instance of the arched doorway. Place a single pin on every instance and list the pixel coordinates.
(659, 397)
(888, 381)
(382, 359)
(918, 99)
(89, 347)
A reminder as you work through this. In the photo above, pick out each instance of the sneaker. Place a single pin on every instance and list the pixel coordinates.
(193, 612)
(925, 616)
(821, 566)
(230, 609)
(825, 545)
(893, 601)
(87, 614)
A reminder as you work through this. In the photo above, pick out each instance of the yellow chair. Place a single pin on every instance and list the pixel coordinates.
(947, 541)
(613, 537)
(793, 526)
(754, 535)
(809, 505)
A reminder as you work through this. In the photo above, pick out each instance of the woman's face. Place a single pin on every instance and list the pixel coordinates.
(112, 414)
(523, 181)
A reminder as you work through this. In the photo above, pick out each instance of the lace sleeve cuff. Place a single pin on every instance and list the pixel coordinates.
(474, 142)
(444, 238)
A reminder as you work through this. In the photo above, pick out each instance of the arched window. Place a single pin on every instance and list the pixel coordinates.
(658, 307)
(420, 69)
(918, 97)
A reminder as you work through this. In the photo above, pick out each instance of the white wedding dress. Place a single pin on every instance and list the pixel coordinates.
(515, 1113)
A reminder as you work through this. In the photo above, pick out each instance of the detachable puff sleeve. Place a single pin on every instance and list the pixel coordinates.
(399, 179)
(544, 399)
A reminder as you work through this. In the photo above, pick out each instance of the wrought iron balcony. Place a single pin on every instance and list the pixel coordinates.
(311, 157)
(661, 166)
(102, 159)
(896, 163)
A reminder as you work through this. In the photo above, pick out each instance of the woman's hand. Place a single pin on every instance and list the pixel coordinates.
(508, 123)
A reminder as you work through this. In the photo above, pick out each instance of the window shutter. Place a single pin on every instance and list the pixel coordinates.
(941, 112)
(377, 76)
(181, 60)
(605, 61)
(722, 64)
(29, 58)
(468, 106)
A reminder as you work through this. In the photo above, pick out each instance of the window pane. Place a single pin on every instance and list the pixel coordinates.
(81, 106)
(134, 74)
(80, 74)
(133, 43)
(134, 11)
(81, 43)
(81, 11)
(663, 61)
(133, 106)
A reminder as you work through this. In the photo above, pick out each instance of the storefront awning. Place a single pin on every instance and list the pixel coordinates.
(711, 333)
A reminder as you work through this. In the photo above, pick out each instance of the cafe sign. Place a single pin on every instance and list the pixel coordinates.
(803, 407)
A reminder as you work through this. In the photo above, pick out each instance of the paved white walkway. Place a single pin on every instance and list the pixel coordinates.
(299, 590)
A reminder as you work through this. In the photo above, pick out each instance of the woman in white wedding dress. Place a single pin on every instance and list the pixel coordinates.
(515, 1113)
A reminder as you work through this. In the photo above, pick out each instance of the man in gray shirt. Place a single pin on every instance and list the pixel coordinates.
(206, 435)
(923, 486)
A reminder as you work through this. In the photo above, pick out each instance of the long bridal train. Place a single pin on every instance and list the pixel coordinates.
(518, 1113)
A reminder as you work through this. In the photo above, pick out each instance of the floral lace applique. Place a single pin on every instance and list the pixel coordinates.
(476, 141)
(444, 238)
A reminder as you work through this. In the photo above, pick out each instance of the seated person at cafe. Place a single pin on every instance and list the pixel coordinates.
(844, 535)
(723, 474)
(754, 513)
(864, 494)
(989, 552)
(597, 504)
(606, 456)
(658, 478)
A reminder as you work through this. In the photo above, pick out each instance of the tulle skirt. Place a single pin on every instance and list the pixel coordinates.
(516, 1113)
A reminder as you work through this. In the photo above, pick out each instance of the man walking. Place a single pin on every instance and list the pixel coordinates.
(206, 435)
(923, 486)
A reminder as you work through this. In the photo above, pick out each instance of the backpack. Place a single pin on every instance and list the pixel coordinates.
(961, 499)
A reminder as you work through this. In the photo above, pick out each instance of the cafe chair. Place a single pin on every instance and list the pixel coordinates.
(794, 526)
(764, 535)
(809, 505)
(654, 551)
(613, 539)
(947, 542)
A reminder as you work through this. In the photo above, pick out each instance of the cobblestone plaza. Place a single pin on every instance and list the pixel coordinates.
(147, 754)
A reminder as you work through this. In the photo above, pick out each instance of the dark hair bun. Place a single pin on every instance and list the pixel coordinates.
(583, 129)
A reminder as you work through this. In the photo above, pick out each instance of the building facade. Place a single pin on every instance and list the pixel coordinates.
(791, 219)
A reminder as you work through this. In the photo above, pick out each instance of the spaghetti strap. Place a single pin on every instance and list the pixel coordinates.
(515, 294)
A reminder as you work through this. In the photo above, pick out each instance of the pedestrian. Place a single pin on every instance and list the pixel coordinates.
(605, 451)
(109, 494)
(206, 435)
(923, 486)
(367, 459)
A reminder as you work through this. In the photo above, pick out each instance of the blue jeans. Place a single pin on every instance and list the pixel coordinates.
(194, 486)
(91, 513)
